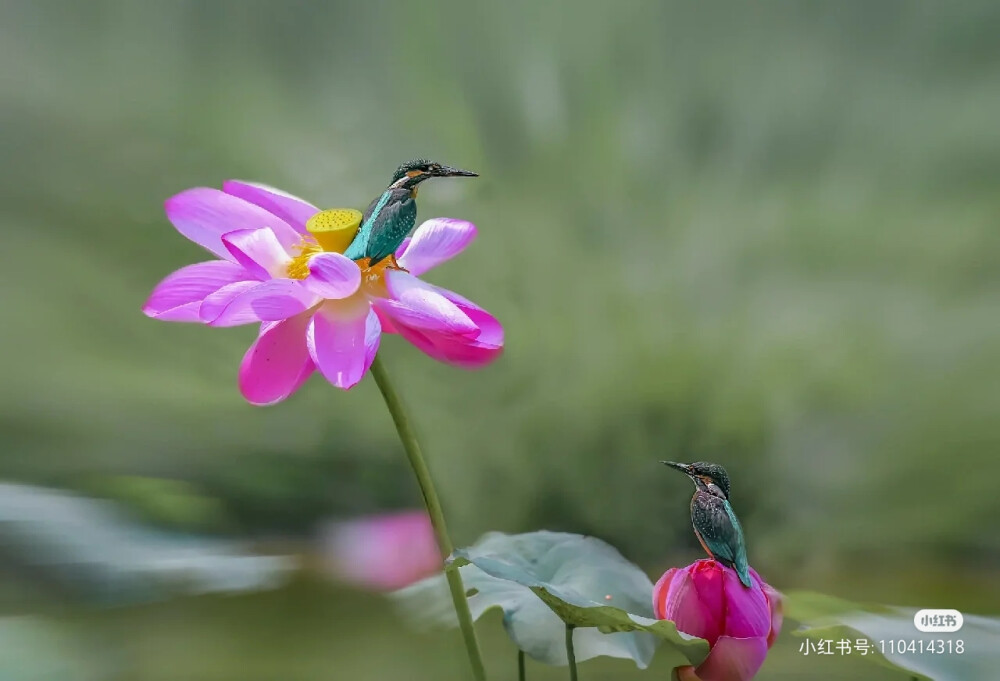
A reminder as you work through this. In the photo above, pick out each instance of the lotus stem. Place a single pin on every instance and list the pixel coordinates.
(520, 666)
(570, 655)
(433, 505)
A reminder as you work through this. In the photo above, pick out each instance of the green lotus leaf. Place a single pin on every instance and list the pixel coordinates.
(544, 581)
(827, 618)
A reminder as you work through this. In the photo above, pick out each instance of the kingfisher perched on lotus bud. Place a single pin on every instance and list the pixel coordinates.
(390, 217)
(715, 524)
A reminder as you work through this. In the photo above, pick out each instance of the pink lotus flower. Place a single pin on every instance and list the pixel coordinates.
(707, 600)
(317, 309)
(384, 552)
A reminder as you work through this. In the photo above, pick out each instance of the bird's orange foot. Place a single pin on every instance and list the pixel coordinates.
(373, 276)
(393, 265)
(387, 263)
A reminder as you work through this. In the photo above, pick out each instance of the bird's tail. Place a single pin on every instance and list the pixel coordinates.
(744, 572)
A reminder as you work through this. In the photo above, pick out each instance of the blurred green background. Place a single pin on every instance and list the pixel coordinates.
(764, 235)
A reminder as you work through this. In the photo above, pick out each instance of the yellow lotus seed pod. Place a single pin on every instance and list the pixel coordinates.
(334, 229)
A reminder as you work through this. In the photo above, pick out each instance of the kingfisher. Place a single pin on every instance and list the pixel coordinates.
(715, 524)
(390, 217)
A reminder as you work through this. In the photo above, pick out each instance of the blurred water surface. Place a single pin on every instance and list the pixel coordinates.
(760, 235)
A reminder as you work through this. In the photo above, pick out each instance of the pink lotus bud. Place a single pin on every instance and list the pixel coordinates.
(707, 600)
(383, 552)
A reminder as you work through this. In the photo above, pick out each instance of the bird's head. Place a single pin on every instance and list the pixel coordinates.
(704, 474)
(412, 173)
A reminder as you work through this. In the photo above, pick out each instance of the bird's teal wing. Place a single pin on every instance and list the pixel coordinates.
(720, 532)
(359, 246)
(390, 228)
(739, 546)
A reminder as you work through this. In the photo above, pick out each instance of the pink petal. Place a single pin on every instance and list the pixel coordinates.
(420, 306)
(775, 604)
(266, 301)
(178, 297)
(691, 606)
(277, 363)
(747, 614)
(291, 209)
(340, 344)
(467, 355)
(216, 302)
(384, 320)
(373, 337)
(203, 215)
(385, 552)
(461, 351)
(259, 251)
(709, 579)
(490, 329)
(733, 659)
(333, 276)
(660, 593)
(434, 242)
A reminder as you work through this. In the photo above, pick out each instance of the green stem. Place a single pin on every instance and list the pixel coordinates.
(520, 666)
(423, 475)
(570, 655)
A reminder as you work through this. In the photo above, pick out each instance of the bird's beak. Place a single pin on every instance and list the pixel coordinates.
(448, 171)
(682, 467)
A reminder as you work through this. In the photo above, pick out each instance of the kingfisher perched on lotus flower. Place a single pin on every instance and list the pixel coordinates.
(390, 217)
(715, 524)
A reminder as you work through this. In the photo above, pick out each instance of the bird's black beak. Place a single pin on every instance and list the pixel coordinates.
(682, 467)
(448, 171)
